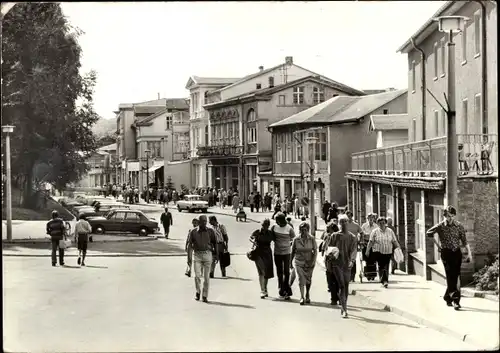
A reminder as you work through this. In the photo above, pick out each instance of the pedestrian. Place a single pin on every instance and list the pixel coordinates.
(251, 201)
(383, 241)
(355, 229)
(394, 263)
(82, 231)
(189, 251)
(57, 231)
(166, 220)
(341, 250)
(289, 221)
(283, 235)
(257, 201)
(333, 212)
(325, 209)
(451, 234)
(236, 203)
(304, 251)
(330, 277)
(277, 209)
(296, 207)
(222, 245)
(262, 239)
(305, 206)
(367, 228)
(203, 243)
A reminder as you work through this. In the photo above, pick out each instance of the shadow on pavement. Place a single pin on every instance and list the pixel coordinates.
(69, 266)
(380, 322)
(364, 308)
(92, 266)
(486, 311)
(239, 278)
(231, 305)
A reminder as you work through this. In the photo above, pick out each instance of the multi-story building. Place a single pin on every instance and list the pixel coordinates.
(342, 127)
(142, 126)
(199, 136)
(241, 145)
(102, 170)
(408, 182)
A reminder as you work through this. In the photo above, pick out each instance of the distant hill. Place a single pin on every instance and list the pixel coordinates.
(104, 127)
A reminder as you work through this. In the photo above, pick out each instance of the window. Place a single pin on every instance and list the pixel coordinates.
(479, 118)
(271, 81)
(251, 115)
(206, 97)
(438, 217)
(318, 95)
(414, 129)
(464, 44)
(320, 153)
(436, 60)
(386, 111)
(477, 33)
(443, 58)
(389, 203)
(206, 135)
(231, 131)
(237, 132)
(368, 201)
(436, 123)
(288, 146)
(413, 78)
(281, 100)
(119, 216)
(155, 148)
(258, 86)
(443, 123)
(168, 122)
(298, 95)
(465, 116)
(419, 226)
(132, 217)
(278, 149)
(298, 148)
(252, 134)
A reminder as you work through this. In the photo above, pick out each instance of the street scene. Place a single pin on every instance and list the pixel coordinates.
(246, 185)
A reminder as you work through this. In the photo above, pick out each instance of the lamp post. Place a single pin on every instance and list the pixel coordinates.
(8, 129)
(449, 25)
(147, 174)
(311, 142)
(164, 141)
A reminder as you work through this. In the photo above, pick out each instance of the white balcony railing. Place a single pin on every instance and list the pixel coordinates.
(477, 155)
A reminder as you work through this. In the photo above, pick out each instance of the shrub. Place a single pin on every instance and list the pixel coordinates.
(487, 277)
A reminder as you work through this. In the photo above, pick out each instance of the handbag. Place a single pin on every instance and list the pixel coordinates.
(252, 254)
(225, 259)
(64, 243)
(398, 255)
(293, 275)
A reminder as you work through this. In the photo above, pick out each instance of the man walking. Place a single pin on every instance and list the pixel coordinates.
(257, 201)
(203, 243)
(82, 231)
(167, 220)
(451, 234)
(355, 229)
(251, 201)
(56, 229)
(189, 251)
(283, 236)
(222, 245)
(367, 228)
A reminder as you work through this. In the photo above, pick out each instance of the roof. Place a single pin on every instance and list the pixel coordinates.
(341, 109)
(224, 81)
(148, 109)
(151, 107)
(265, 93)
(375, 91)
(449, 8)
(111, 147)
(389, 122)
(147, 119)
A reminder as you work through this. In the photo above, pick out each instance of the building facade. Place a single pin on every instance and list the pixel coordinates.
(199, 87)
(342, 127)
(102, 169)
(241, 145)
(408, 182)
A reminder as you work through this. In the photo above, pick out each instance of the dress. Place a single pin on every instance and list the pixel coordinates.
(264, 254)
(305, 258)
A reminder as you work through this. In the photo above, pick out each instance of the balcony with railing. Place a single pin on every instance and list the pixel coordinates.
(220, 150)
(477, 156)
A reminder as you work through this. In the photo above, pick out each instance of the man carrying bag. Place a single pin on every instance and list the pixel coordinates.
(57, 231)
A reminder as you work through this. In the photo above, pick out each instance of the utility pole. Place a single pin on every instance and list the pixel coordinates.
(311, 142)
(8, 129)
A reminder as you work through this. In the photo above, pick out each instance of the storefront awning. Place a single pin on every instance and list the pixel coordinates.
(156, 166)
(133, 167)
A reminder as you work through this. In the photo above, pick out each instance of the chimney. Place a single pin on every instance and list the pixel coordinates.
(261, 68)
(289, 60)
(158, 95)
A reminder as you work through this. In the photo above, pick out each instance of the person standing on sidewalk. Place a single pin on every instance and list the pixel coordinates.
(56, 229)
(262, 239)
(383, 241)
(166, 220)
(451, 235)
(251, 201)
(394, 264)
(189, 251)
(355, 229)
(304, 251)
(283, 236)
(330, 277)
(203, 243)
(82, 231)
(257, 201)
(222, 245)
(367, 228)
(341, 250)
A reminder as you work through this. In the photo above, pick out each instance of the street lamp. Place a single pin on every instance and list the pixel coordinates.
(8, 129)
(451, 24)
(147, 174)
(311, 142)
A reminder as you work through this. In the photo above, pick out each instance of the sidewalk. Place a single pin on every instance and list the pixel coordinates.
(422, 301)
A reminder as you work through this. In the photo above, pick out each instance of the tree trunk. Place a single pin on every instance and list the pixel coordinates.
(29, 199)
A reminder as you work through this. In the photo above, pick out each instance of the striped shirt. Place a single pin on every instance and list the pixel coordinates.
(367, 230)
(283, 237)
(382, 240)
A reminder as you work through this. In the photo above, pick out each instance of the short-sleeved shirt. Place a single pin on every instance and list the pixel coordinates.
(450, 235)
(367, 230)
(203, 240)
(383, 240)
(354, 228)
(304, 249)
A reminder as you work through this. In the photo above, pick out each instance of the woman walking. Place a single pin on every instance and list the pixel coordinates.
(262, 239)
(283, 235)
(304, 251)
(383, 241)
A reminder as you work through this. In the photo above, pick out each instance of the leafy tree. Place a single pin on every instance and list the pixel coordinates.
(45, 97)
(169, 185)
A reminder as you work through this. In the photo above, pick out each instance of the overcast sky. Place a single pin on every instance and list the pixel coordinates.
(142, 49)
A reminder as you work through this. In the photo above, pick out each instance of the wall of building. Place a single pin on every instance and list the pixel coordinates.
(468, 78)
(394, 137)
(127, 134)
(180, 172)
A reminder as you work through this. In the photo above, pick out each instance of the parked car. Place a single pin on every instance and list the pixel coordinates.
(123, 220)
(192, 203)
(103, 210)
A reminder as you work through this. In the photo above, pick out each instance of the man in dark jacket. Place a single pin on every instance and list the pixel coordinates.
(167, 221)
(257, 200)
(325, 209)
(56, 229)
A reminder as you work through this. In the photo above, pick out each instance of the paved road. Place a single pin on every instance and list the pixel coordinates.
(146, 304)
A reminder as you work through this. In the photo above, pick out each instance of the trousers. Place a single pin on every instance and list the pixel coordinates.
(202, 261)
(55, 247)
(220, 248)
(452, 261)
(282, 263)
(342, 277)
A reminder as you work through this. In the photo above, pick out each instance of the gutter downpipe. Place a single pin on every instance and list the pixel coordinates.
(484, 68)
(424, 86)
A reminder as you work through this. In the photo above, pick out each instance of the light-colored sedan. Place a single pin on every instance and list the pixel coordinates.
(192, 203)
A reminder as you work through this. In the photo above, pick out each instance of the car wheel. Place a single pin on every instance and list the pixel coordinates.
(179, 208)
(204, 210)
(190, 210)
(143, 232)
(99, 229)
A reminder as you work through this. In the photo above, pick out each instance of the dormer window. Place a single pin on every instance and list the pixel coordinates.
(271, 82)
(258, 86)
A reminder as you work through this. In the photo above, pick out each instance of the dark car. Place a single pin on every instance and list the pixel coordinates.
(103, 210)
(122, 220)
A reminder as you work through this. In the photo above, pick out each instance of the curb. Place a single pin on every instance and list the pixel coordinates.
(47, 241)
(477, 294)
